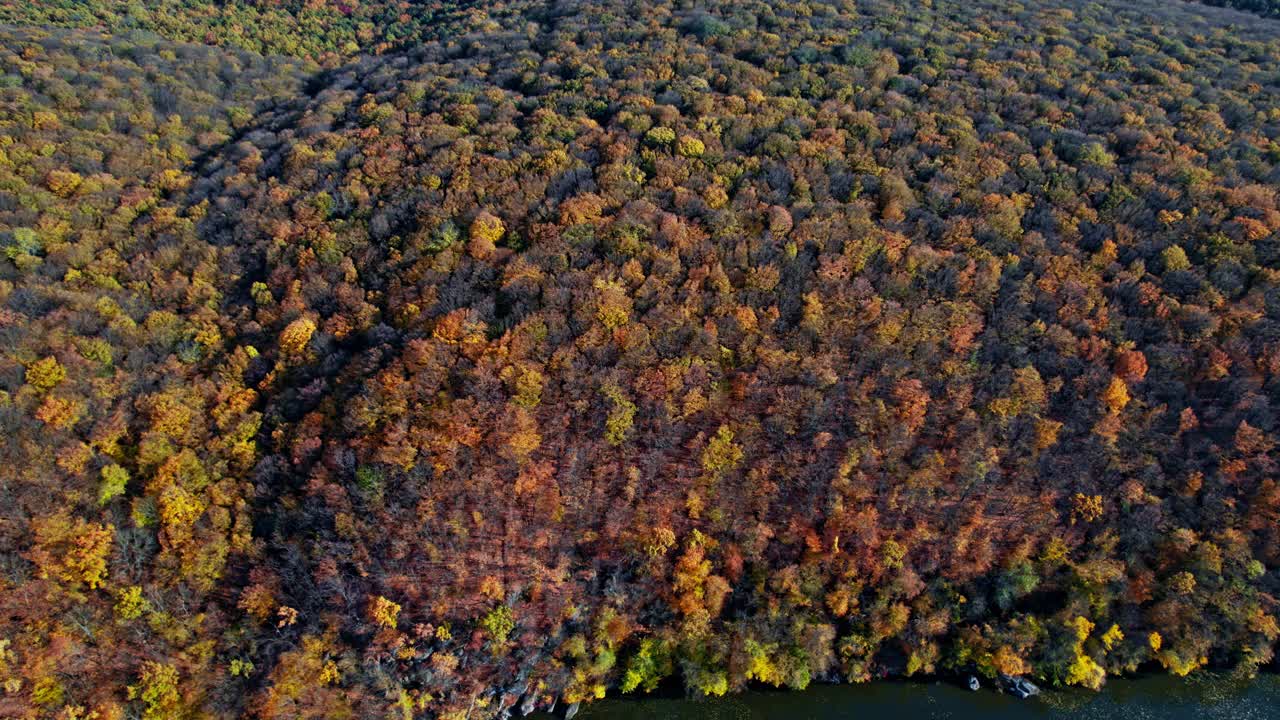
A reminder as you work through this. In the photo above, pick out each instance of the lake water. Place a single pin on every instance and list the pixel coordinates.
(1205, 696)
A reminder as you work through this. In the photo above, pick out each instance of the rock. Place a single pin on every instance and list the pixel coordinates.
(1027, 688)
(974, 684)
(1021, 688)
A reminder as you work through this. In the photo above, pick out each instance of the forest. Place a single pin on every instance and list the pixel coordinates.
(367, 359)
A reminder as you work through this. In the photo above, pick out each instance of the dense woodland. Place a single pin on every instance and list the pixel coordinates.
(1269, 8)
(326, 31)
(576, 347)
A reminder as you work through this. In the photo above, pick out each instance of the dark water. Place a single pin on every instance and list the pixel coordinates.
(1202, 697)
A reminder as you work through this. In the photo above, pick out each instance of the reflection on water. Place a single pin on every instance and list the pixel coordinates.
(1205, 696)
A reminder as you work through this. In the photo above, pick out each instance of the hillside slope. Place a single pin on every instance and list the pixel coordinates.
(594, 346)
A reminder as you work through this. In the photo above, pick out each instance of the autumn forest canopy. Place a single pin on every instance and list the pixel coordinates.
(449, 359)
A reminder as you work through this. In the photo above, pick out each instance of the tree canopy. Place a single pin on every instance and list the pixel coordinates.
(575, 347)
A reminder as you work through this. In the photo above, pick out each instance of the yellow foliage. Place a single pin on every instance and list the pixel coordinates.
(300, 673)
(1112, 636)
(1082, 627)
(1183, 583)
(47, 691)
(158, 691)
(529, 388)
(72, 550)
(60, 412)
(1007, 661)
(621, 417)
(712, 684)
(760, 666)
(63, 183)
(722, 453)
(1084, 670)
(384, 612)
(1155, 641)
(715, 197)
(690, 146)
(486, 230)
(45, 373)
(45, 120)
(1056, 551)
(171, 413)
(660, 540)
(114, 481)
(524, 437)
(1116, 396)
(179, 510)
(1046, 433)
(1179, 665)
(1086, 508)
(498, 623)
(130, 605)
(613, 307)
(295, 337)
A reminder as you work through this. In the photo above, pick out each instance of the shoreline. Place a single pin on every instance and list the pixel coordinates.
(1156, 692)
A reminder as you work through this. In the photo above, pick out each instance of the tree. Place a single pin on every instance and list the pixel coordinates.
(71, 550)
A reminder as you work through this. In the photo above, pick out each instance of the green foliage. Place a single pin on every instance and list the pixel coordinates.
(708, 682)
(646, 668)
(660, 136)
(130, 604)
(158, 691)
(1016, 583)
(369, 479)
(690, 147)
(1096, 154)
(892, 553)
(618, 424)
(25, 242)
(114, 480)
(1175, 258)
(706, 26)
(529, 385)
(498, 624)
(721, 453)
(444, 236)
(48, 692)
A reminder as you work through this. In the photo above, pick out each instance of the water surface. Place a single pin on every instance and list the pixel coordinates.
(1205, 696)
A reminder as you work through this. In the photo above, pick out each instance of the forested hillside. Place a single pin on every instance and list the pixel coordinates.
(325, 31)
(1270, 8)
(579, 347)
